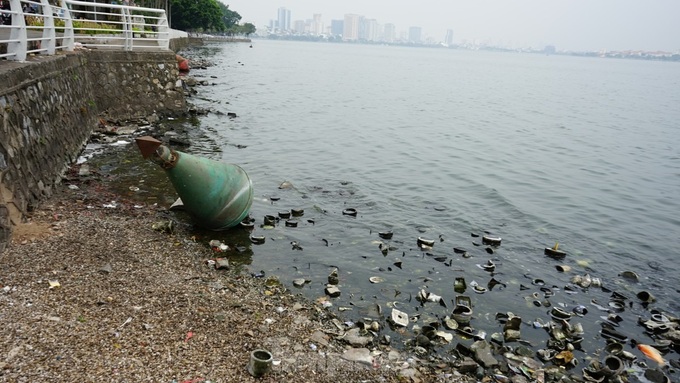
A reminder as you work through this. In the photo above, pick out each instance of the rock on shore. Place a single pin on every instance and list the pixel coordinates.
(90, 292)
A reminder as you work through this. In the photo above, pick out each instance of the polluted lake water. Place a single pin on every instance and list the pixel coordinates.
(448, 294)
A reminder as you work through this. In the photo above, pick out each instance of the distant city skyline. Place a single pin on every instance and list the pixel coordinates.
(577, 25)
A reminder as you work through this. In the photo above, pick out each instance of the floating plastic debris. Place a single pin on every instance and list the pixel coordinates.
(399, 318)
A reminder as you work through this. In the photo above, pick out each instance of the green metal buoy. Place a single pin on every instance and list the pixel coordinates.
(216, 194)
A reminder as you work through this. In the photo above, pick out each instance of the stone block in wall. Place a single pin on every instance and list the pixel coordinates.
(132, 84)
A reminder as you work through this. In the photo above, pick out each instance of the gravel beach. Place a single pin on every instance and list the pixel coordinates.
(91, 292)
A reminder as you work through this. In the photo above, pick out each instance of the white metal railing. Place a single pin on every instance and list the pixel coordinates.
(41, 27)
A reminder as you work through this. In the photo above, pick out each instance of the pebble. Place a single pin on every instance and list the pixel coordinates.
(354, 338)
(222, 264)
(361, 355)
(332, 291)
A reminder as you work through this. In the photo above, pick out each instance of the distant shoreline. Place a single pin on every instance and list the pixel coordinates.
(548, 50)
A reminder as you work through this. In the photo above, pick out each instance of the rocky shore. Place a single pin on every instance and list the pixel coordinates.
(92, 290)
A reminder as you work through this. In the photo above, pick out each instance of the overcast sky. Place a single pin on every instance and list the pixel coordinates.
(576, 25)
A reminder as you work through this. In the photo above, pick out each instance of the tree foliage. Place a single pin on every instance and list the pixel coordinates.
(229, 18)
(202, 16)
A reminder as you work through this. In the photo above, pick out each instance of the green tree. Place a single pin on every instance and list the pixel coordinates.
(197, 15)
(248, 29)
(229, 18)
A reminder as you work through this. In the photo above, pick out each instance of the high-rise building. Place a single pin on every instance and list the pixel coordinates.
(368, 30)
(317, 24)
(299, 26)
(284, 20)
(337, 27)
(390, 33)
(414, 34)
(448, 40)
(351, 27)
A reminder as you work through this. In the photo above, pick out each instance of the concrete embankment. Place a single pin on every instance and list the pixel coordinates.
(50, 105)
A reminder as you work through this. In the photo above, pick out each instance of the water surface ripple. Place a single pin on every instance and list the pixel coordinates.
(445, 143)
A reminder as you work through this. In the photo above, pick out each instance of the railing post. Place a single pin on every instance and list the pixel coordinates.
(19, 46)
(163, 35)
(127, 29)
(49, 37)
(69, 41)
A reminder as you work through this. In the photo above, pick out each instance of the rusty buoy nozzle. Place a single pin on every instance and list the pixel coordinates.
(147, 145)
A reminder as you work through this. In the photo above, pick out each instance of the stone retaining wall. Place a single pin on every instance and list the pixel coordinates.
(135, 84)
(50, 106)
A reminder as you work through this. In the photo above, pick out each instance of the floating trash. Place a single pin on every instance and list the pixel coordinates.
(617, 306)
(459, 250)
(608, 332)
(583, 281)
(297, 212)
(563, 268)
(580, 310)
(554, 252)
(511, 329)
(284, 214)
(459, 285)
(479, 289)
(450, 323)
(291, 223)
(376, 279)
(247, 224)
(399, 318)
(447, 337)
(559, 314)
(630, 275)
(489, 266)
(646, 297)
(386, 234)
(422, 242)
(491, 240)
(350, 211)
(425, 296)
(564, 358)
(614, 348)
(493, 283)
(269, 220)
(299, 282)
(257, 239)
(612, 366)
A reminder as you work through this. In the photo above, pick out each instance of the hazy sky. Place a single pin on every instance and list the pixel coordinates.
(575, 25)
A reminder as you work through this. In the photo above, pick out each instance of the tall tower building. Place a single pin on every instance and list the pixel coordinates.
(284, 20)
(299, 26)
(317, 24)
(369, 30)
(448, 40)
(414, 34)
(337, 27)
(390, 33)
(351, 27)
